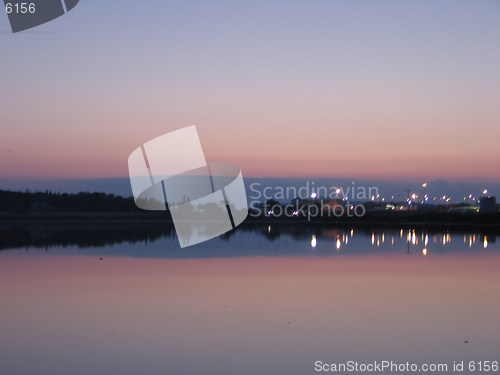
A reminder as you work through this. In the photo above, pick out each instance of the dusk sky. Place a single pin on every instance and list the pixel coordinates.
(355, 89)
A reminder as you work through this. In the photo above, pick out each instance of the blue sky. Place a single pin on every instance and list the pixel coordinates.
(364, 89)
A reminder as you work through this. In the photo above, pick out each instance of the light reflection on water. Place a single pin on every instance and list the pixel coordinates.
(266, 299)
(158, 240)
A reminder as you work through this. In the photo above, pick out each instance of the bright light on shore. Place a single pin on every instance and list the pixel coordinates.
(314, 195)
(485, 191)
(424, 185)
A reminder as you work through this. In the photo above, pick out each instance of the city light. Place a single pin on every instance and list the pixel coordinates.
(413, 238)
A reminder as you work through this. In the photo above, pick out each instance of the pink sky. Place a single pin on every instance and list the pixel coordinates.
(408, 93)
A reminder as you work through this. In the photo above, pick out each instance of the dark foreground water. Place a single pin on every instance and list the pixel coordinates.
(110, 298)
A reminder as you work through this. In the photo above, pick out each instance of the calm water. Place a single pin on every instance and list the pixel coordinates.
(126, 299)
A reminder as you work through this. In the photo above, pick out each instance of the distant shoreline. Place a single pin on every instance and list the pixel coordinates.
(435, 220)
(25, 207)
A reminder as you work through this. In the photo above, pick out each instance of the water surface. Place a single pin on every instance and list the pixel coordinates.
(262, 300)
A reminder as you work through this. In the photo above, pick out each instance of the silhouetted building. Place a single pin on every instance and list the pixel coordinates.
(488, 204)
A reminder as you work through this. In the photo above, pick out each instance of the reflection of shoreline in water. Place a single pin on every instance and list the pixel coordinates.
(81, 234)
(287, 239)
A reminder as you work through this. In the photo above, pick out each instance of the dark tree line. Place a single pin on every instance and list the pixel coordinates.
(57, 202)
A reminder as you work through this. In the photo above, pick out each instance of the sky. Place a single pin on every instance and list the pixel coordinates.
(352, 89)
